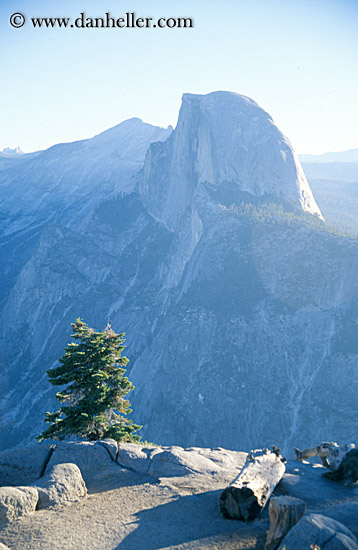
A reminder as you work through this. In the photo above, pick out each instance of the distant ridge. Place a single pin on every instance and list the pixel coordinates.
(10, 153)
(350, 155)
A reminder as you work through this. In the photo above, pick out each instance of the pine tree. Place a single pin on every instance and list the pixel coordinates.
(93, 401)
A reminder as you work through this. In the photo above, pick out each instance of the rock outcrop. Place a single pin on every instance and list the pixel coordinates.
(62, 484)
(316, 529)
(17, 501)
(221, 138)
(346, 513)
(239, 305)
(88, 456)
(218, 465)
(23, 465)
(196, 475)
(347, 471)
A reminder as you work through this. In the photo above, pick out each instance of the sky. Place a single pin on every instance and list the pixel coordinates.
(297, 59)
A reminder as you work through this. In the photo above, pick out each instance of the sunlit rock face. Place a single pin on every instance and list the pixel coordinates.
(240, 307)
(222, 138)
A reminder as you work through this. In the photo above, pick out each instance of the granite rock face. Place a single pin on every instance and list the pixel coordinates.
(23, 465)
(221, 138)
(194, 470)
(17, 501)
(46, 198)
(91, 458)
(88, 456)
(347, 514)
(257, 304)
(61, 484)
(238, 304)
(175, 461)
(324, 532)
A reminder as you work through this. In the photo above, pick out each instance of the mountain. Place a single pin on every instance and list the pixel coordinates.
(338, 201)
(63, 185)
(9, 153)
(342, 156)
(239, 303)
(333, 178)
(65, 181)
(221, 138)
(331, 171)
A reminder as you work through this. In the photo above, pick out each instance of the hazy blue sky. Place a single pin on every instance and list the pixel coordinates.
(297, 59)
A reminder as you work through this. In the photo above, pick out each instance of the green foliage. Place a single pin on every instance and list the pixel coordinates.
(93, 401)
(275, 213)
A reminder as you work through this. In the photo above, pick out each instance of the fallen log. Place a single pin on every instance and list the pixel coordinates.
(284, 513)
(248, 493)
(330, 454)
(341, 461)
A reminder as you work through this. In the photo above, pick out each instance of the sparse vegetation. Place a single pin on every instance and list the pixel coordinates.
(271, 212)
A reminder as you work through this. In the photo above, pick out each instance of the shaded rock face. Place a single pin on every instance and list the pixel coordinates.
(347, 471)
(45, 198)
(239, 307)
(64, 182)
(23, 466)
(347, 514)
(324, 532)
(63, 185)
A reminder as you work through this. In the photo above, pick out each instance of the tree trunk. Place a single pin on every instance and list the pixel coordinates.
(247, 495)
(331, 454)
(284, 512)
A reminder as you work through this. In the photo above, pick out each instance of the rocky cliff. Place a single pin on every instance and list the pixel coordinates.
(238, 303)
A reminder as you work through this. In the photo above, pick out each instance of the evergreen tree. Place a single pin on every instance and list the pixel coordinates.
(94, 398)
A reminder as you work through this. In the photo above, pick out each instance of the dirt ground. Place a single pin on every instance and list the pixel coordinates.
(129, 511)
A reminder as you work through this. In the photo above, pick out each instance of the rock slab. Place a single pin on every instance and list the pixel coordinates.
(216, 464)
(88, 456)
(346, 513)
(23, 466)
